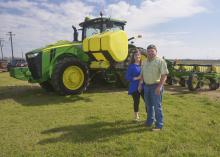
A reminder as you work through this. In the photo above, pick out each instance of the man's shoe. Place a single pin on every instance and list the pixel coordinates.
(148, 126)
(156, 129)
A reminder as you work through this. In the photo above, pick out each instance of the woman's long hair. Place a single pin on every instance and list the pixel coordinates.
(132, 57)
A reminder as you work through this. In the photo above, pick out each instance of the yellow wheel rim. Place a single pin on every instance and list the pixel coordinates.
(194, 82)
(73, 77)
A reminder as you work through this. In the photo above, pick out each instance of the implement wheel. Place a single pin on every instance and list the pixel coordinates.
(70, 76)
(193, 82)
(213, 85)
(169, 80)
(182, 82)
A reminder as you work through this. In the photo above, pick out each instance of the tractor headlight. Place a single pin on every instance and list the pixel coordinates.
(32, 55)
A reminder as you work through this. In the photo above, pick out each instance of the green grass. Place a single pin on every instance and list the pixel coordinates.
(99, 123)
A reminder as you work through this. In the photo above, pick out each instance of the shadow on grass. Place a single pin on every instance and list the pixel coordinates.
(95, 132)
(178, 90)
(105, 88)
(35, 96)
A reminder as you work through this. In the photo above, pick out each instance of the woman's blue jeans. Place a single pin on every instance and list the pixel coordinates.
(154, 105)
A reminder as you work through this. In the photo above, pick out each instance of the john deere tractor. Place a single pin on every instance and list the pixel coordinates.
(67, 67)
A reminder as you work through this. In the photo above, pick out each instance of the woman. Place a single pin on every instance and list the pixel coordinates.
(132, 75)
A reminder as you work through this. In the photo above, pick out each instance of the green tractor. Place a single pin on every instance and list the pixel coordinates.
(67, 67)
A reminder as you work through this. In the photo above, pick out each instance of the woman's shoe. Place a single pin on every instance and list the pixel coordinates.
(136, 116)
(137, 119)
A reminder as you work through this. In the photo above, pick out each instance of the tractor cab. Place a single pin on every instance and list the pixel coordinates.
(105, 41)
(98, 25)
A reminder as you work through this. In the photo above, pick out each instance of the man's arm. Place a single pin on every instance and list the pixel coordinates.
(141, 79)
(162, 80)
(161, 83)
(140, 83)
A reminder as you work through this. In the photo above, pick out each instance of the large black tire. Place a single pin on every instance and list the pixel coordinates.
(128, 59)
(130, 53)
(193, 82)
(169, 80)
(182, 82)
(47, 86)
(121, 81)
(65, 67)
(213, 85)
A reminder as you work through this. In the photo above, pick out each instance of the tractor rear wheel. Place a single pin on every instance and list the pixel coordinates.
(47, 86)
(121, 81)
(70, 76)
(193, 82)
(213, 85)
(182, 82)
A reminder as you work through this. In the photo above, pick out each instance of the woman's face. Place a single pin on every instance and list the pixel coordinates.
(137, 57)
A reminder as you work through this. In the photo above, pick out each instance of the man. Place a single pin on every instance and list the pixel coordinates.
(154, 73)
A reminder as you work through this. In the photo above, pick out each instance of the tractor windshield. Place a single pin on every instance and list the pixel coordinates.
(101, 27)
(93, 29)
(111, 27)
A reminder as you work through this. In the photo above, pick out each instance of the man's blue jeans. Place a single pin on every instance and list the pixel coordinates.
(154, 105)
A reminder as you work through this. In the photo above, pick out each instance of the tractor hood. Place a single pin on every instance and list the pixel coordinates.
(61, 43)
(58, 44)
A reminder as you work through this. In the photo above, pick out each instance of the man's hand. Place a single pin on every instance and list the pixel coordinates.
(139, 87)
(137, 78)
(158, 90)
(160, 85)
(140, 83)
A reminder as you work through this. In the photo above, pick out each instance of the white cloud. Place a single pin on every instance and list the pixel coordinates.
(20, 5)
(37, 24)
(151, 13)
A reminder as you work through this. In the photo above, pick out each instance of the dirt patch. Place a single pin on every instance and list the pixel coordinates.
(212, 94)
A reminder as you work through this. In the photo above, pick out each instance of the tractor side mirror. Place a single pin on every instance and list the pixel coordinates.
(139, 36)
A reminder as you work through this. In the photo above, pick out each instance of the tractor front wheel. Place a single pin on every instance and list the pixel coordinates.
(70, 76)
(47, 86)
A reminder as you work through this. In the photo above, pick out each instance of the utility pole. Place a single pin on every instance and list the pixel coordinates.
(1, 45)
(10, 38)
(22, 54)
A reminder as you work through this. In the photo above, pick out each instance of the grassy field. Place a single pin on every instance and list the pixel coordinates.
(99, 123)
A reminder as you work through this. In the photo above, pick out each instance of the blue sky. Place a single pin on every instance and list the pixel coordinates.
(180, 29)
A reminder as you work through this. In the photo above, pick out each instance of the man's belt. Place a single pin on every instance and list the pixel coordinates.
(151, 84)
